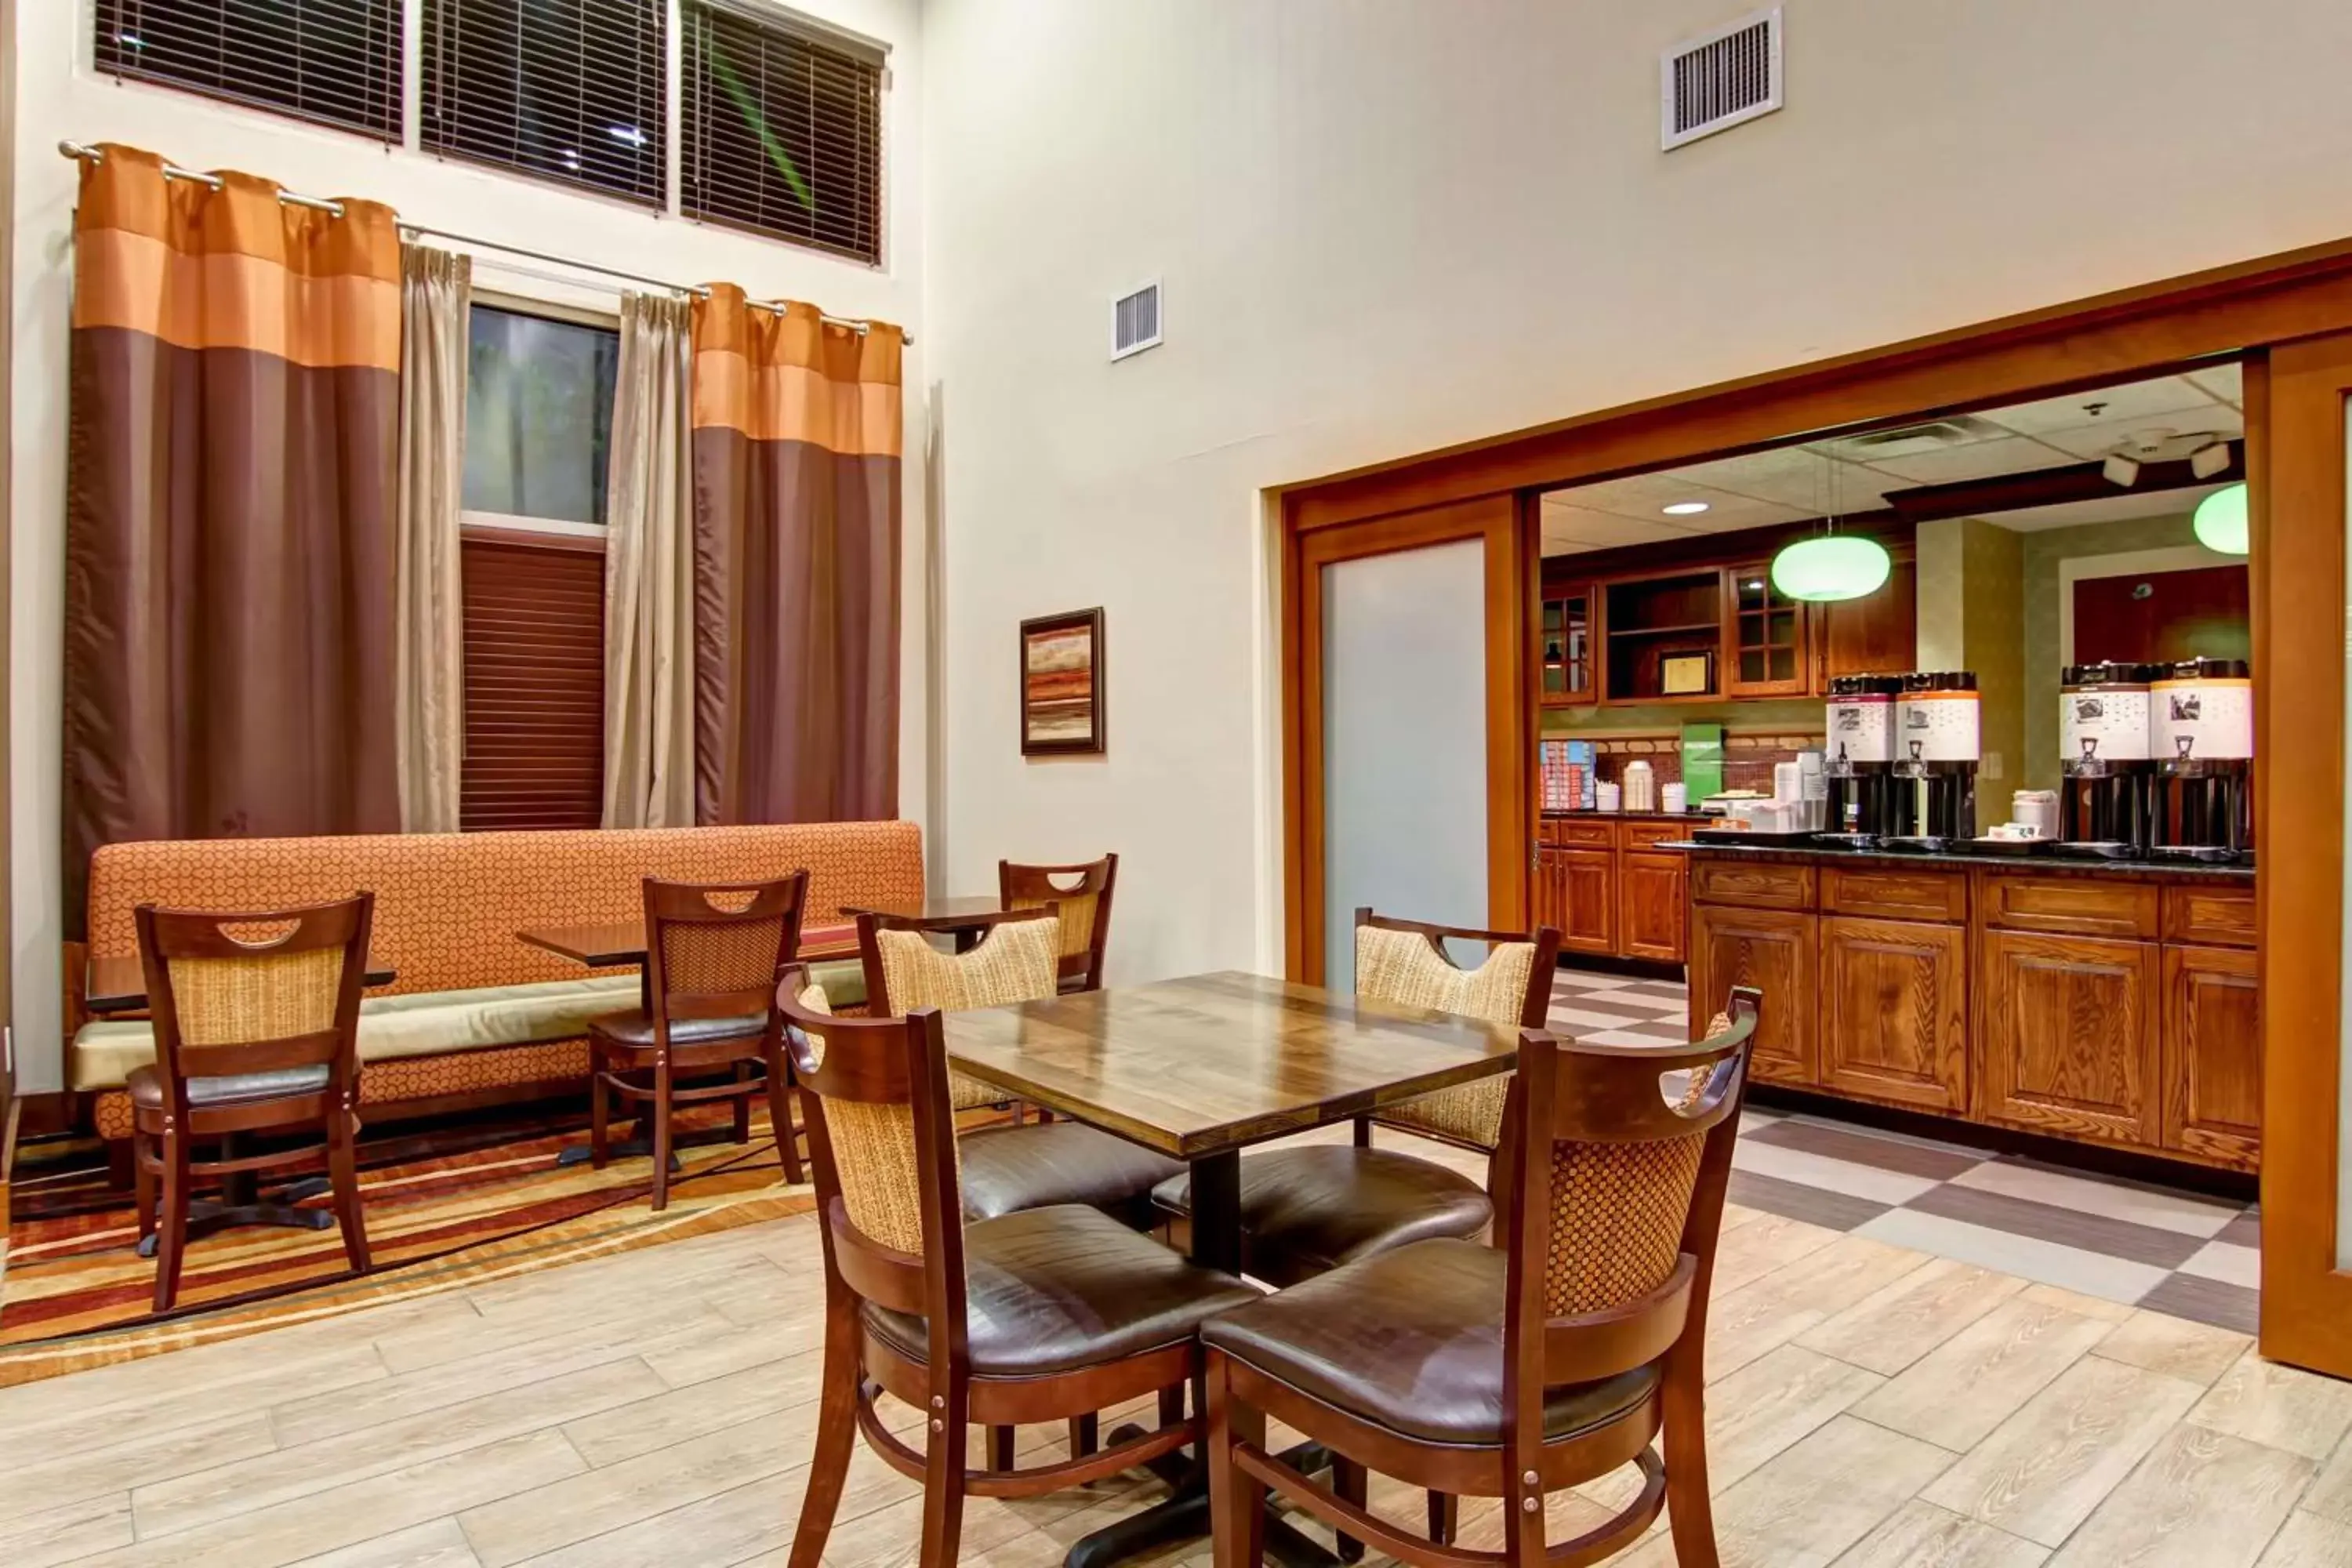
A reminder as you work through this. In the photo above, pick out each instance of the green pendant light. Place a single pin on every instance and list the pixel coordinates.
(2220, 520)
(1831, 565)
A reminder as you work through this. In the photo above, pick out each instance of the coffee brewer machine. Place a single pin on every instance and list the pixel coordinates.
(1859, 764)
(2105, 731)
(1935, 750)
(2203, 725)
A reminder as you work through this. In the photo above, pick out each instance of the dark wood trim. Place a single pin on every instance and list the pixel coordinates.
(2148, 330)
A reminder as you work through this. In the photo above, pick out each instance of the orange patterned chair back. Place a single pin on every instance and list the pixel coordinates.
(448, 904)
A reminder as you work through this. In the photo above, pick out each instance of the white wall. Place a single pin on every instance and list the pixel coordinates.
(58, 95)
(1389, 224)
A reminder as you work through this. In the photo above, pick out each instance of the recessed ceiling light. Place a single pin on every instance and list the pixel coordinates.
(1685, 508)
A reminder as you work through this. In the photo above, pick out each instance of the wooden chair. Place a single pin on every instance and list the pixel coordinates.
(257, 1030)
(1311, 1207)
(712, 955)
(1048, 1314)
(1081, 895)
(1513, 1374)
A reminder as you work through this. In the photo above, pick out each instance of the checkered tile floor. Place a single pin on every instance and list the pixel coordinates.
(2168, 1250)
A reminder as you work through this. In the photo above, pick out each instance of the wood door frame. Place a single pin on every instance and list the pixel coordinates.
(2240, 312)
(1505, 527)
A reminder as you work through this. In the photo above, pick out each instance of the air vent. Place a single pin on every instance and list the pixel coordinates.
(1910, 440)
(1135, 321)
(1712, 83)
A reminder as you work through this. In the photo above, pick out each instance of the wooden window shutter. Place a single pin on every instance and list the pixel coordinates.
(534, 619)
(569, 90)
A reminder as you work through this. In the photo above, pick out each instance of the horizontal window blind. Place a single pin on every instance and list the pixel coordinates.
(566, 89)
(333, 61)
(782, 130)
(535, 620)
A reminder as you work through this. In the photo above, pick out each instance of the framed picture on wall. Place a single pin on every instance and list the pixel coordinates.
(1061, 684)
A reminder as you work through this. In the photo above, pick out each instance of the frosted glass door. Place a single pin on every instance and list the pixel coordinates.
(1404, 742)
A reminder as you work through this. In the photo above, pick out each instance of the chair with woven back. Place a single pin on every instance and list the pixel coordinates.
(1080, 895)
(1516, 1371)
(708, 1031)
(1042, 1315)
(257, 1030)
(1309, 1207)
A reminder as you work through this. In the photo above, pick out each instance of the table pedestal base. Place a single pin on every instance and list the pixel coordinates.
(1185, 1516)
(206, 1215)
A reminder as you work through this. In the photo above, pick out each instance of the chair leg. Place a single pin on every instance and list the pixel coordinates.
(836, 1431)
(780, 1117)
(943, 1478)
(142, 1182)
(1171, 1405)
(600, 1117)
(1444, 1518)
(661, 1108)
(344, 1177)
(1351, 1484)
(1000, 1447)
(742, 1103)
(1085, 1435)
(1237, 1504)
(1689, 1510)
(171, 1221)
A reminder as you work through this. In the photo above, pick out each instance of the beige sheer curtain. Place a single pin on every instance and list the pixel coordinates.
(428, 628)
(649, 573)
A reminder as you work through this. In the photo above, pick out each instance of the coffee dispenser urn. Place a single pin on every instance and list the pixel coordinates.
(2203, 725)
(2104, 748)
(1859, 762)
(1935, 750)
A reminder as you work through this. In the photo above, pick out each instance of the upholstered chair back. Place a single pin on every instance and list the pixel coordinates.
(1407, 964)
(716, 948)
(1017, 961)
(1080, 895)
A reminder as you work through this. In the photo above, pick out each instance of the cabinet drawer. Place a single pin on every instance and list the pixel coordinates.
(2071, 906)
(1894, 892)
(2210, 916)
(1586, 834)
(1755, 884)
(1642, 835)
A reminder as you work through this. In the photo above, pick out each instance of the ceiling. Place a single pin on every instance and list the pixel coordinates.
(1856, 471)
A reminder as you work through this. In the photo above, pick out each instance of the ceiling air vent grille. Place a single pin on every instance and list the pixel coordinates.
(1135, 321)
(1713, 83)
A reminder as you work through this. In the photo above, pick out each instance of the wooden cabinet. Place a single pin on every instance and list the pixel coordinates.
(1565, 661)
(1766, 637)
(1894, 1011)
(1576, 890)
(2212, 1055)
(2069, 1036)
(1874, 634)
(1661, 638)
(1772, 950)
(1650, 905)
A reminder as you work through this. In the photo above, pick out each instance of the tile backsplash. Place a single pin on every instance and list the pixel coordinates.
(1746, 759)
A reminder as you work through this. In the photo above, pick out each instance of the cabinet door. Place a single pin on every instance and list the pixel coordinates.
(1585, 883)
(1766, 634)
(1650, 900)
(1895, 1011)
(2069, 1036)
(1874, 634)
(1771, 949)
(1566, 661)
(2213, 1054)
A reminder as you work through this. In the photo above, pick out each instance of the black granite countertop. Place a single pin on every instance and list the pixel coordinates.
(2059, 865)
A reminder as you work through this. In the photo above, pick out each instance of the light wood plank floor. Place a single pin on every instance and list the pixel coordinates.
(1870, 1407)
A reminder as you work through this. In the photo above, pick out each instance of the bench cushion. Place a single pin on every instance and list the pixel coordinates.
(417, 1024)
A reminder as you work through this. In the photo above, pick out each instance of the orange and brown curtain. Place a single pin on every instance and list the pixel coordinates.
(229, 602)
(796, 516)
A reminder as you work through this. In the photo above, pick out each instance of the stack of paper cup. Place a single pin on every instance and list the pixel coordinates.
(1606, 796)
(1674, 798)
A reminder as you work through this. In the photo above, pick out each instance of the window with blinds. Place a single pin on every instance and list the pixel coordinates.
(571, 91)
(535, 620)
(783, 130)
(336, 62)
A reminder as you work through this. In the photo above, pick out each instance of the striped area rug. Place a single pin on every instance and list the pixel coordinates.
(456, 1207)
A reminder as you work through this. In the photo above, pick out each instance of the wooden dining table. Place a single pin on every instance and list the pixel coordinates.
(1201, 1068)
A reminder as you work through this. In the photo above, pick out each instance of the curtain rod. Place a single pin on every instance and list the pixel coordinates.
(699, 291)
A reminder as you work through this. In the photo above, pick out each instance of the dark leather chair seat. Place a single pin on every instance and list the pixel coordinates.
(1057, 1290)
(1412, 1340)
(1314, 1206)
(146, 1087)
(1008, 1169)
(635, 1029)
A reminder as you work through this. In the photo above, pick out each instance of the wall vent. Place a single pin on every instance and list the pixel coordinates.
(1712, 83)
(1135, 321)
(1911, 440)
